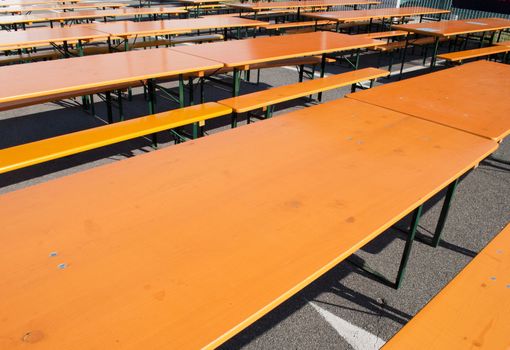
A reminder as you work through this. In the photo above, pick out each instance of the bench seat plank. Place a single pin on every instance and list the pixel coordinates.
(474, 53)
(248, 102)
(472, 311)
(57, 147)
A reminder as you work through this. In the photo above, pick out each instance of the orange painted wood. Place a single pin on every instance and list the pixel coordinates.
(264, 49)
(35, 2)
(452, 28)
(129, 28)
(473, 53)
(504, 43)
(155, 258)
(74, 74)
(386, 34)
(257, 6)
(362, 15)
(472, 97)
(60, 7)
(89, 14)
(21, 156)
(471, 312)
(45, 35)
(274, 95)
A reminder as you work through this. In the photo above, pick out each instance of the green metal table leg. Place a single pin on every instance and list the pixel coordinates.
(236, 82)
(151, 96)
(119, 101)
(434, 54)
(444, 213)
(191, 91)
(404, 57)
(405, 255)
(323, 69)
(181, 91)
(407, 249)
(108, 99)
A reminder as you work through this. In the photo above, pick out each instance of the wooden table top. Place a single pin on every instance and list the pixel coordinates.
(45, 35)
(472, 311)
(18, 19)
(34, 2)
(60, 7)
(360, 15)
(129, 28)
(66, 16)
(451, 28)
(236, 53)
(255, 6)
(74, 74)
(473, 97)
(140, 253)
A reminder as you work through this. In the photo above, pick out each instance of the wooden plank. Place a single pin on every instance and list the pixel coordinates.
(249, 51)
(74, 74)
(456, 27)
(472, 311)
(472, 97)
(21, 156)
(467, 54)
(363, 15)
(299, 4)
(274, 95)
(146, 252)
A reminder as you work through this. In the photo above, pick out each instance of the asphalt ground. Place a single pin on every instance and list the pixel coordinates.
(346, 308)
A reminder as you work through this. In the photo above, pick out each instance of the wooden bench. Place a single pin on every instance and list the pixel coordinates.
(460, 56)
(503, 43)
(32, 153)
(268, 98)
(472, 311)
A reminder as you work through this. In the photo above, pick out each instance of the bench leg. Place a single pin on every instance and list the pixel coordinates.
(233, 123)
(405, 255)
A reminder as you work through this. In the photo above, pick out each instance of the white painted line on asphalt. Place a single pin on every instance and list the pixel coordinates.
(357, 337)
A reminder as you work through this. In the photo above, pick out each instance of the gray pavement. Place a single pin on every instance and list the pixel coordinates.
(480, 209)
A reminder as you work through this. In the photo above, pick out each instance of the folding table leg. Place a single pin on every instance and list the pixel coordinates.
(404, 57)
(236, 82)
(108, 99)
(434, 54)
(323, 68)
(405, 255)
(434, 242)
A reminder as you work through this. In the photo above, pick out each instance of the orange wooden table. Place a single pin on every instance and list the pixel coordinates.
(370, 15)
(35, 2)
(45, 36)
(98, 72)
(255, 7)
(126, 29)
(60, 7)
(471, 312)
(473, 97)
(145, 252)
(448, 29)
(240, 54)
(63, 17)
